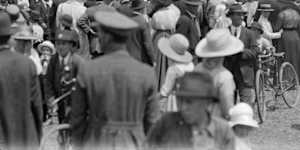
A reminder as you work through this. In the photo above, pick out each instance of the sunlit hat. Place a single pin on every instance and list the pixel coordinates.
(48, 44)
(242, 114)
(175, 48)
(25, 33)
(265, 7)
(219, 43)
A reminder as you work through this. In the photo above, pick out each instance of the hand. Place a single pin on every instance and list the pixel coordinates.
(281, 31)
(44, 26)
(50, 101)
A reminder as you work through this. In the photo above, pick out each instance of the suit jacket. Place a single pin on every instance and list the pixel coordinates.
(55, 72)
(20, 102)
(242, 65)
(115, 94)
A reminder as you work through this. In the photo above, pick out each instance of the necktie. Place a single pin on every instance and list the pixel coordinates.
(235, 32)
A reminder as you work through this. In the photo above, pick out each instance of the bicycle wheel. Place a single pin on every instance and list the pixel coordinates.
(260, 109)
(289, 84)
(50, 140)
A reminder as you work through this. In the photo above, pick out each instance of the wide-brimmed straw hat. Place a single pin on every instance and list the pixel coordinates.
(48, 44)
(219, 43)
(25, 34)
(265, 8)
(175, 48)
(242, 114)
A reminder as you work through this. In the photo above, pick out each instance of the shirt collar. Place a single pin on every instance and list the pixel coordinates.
(66, 59)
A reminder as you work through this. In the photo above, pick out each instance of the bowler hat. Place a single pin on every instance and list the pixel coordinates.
(257, 26)
(111, 18)
(196, 85)
(219, 43)
(138, 4)
(175, 48)
(5, 24)
(192, 2)
(66, 20)
(265, 7)
(67, 35)
(236, 8)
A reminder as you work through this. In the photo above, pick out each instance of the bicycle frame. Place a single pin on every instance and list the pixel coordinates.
(271, 79)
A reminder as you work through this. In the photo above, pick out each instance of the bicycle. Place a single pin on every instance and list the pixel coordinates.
(273, 73)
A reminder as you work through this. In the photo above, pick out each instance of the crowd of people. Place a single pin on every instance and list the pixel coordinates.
(137, 74)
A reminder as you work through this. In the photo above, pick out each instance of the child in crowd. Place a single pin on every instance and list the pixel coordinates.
(242, 123)
(175, 48)
(263, 44)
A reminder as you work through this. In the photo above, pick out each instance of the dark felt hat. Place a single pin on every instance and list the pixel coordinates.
(66, 20)
(67, 35)
(111, 18)
(236, 8)
(5, 24)
(196, 85)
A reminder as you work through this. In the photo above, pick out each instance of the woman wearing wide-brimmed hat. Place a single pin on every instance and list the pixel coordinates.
(175, 49)
(218, 44)
(265, 10)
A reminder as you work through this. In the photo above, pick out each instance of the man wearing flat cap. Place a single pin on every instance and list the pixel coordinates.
(20, 98)
(115, 98)
(193, 127)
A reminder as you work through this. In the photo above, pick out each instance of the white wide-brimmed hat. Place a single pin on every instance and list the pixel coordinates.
(48, 44)
(242, 114)
(175, 47)
(219, 43)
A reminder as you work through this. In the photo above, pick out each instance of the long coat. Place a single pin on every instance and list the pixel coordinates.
(172, 132)
(243, 68)
(20, 102)
(115, 94)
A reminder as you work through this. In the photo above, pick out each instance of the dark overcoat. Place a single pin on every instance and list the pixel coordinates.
(20, 102)
(172, 132)
(115, 93)
(243, 67)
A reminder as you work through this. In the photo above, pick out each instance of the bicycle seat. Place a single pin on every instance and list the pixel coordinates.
(279, 54)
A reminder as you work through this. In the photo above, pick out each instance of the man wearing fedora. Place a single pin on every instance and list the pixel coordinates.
(21, 104)
(115, 98)
(189, 21)
(242, 65)
(193, 127)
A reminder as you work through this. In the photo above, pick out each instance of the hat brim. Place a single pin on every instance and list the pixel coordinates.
(165, 49)
(233, 46)
(250, 123)
(40, 46)
(25, 38)
(266, 10)
(115, 20)
(192, 3)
